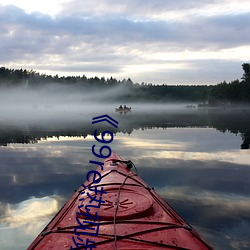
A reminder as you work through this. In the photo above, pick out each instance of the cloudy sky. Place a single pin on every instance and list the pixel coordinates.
(157, 41)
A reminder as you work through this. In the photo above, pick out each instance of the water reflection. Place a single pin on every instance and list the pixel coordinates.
(195, 166)
(33, 209)
(24, 220)
(233, 121)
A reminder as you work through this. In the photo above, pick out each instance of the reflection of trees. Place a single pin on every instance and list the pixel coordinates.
(19, 134)
(16, 137)
(237, 122)
(233, 122)
(246, 141)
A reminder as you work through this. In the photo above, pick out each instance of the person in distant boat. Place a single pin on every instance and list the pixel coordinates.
(120, 107)
(125, 106)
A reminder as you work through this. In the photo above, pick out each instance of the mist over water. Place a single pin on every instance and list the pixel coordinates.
(55, 102)
(61, 102)
(59, 107)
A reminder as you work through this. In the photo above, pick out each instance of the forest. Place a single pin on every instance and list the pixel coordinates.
(224, 93)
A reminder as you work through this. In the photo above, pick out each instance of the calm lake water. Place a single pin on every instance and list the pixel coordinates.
(197, 160)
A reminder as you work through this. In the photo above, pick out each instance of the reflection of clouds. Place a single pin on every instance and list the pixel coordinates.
(51, 167)
(203, 144)
(47, 157)
(29, 213)
(69, 138)
(2, 209)
(22, 222)
(186, 139)
(226, 240)
(147, 144)
(228, 203)
(222, 219)
(211, 181)
(236, 156)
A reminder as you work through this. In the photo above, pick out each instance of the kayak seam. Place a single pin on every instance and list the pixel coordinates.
(125, 222)
(129, 236)
(170, 226)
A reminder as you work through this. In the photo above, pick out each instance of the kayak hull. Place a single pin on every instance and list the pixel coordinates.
(133, 216)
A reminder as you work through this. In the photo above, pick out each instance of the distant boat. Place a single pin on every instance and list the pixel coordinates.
(190, 106)
(125, 110)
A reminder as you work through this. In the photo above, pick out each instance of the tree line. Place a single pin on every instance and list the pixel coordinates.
(236, 91)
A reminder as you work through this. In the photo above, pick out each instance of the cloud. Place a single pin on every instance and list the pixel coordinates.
(200, 31)
(147, 9)
(125, 40)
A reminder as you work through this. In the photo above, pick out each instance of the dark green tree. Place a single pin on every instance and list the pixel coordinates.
(246, 69)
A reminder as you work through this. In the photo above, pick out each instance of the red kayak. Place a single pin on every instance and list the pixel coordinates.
(116, 209)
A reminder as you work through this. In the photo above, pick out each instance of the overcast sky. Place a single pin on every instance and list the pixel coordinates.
(157, 41)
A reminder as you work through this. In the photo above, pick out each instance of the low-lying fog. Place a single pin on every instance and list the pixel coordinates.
(59, 102)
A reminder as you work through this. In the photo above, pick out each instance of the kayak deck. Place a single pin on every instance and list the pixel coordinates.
(133, 216)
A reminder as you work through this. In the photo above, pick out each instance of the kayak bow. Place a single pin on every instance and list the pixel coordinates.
(133, 216)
